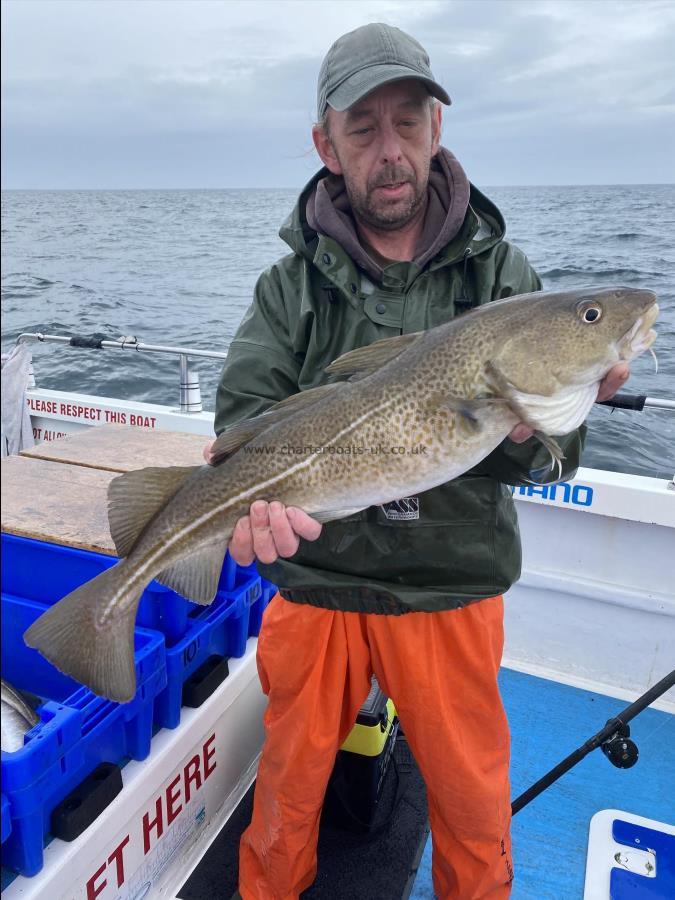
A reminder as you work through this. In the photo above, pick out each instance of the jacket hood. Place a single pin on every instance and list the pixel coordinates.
(482, 225)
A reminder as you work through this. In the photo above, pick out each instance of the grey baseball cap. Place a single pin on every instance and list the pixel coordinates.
(367, 58)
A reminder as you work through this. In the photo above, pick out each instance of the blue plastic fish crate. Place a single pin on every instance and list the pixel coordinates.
(36, 570)
(259, 607)
(6, 819)
(77, 731)
(218, 630)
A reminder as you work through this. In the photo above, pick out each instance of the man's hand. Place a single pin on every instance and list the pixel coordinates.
(207, 451)
(269, 531)
(613, 381)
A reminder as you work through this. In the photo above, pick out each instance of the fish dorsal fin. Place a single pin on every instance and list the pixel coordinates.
(303, 398)
(367, 360)
(229, 441)
(196, 576)
(136, 497)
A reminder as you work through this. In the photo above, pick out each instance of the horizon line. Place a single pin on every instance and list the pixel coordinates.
(299, 188)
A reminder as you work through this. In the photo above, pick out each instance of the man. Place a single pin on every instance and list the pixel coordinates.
(388, 238)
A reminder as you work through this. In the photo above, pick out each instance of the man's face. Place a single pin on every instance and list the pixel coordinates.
(382, 146)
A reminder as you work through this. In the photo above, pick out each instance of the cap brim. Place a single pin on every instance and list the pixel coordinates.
(358, 85)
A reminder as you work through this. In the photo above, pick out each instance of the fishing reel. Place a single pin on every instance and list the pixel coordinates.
(619, 749)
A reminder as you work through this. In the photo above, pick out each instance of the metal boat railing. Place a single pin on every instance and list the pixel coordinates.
(190, 391)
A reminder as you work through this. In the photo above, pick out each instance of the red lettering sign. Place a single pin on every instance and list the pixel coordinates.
(119, 861)
(191, 776)
(171, 798)
(209, 753)
(142, 421)
(47, 406)
(93, 890)
(148, 826)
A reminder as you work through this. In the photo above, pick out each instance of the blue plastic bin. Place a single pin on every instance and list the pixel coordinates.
(6, 819)
(36, 570)
(77, 731)
(259, 607)
(220, 629)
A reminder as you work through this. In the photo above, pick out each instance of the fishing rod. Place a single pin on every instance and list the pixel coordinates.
(614, 739)
(637, 402)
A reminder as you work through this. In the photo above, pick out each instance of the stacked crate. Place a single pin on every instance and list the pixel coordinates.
(55, 538)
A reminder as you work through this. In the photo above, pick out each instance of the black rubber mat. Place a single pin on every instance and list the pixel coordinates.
(352, 866)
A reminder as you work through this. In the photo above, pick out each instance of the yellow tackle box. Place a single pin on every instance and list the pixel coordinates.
(356, 783)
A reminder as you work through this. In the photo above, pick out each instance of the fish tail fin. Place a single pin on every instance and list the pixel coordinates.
(81, 641)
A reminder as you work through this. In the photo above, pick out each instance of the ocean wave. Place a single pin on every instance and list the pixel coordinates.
(34, 280)
(586, 272)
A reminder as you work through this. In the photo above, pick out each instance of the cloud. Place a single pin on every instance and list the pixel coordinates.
(153, 93)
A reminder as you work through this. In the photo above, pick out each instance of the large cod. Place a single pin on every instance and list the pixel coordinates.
(438, 402)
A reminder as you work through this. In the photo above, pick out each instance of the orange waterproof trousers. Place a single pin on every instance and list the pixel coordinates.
(440, 669)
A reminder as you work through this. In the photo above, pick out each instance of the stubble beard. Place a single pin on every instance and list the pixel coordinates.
(388, 215)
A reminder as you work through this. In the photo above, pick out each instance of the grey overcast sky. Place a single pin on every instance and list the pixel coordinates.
(220, 93)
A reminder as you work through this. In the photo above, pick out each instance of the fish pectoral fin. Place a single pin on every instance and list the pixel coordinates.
(330, 515)
(196, 576)
(231, 440)
(136, 497)
(506, 390)
(468, 410)
(366, 360)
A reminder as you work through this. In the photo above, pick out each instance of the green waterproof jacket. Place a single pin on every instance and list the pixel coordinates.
(452, 545)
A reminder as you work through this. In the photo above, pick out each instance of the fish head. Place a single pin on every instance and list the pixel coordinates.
(561, 340)
(560, 346)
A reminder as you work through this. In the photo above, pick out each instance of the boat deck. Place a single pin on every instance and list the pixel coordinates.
(550, 836)
(548, 721)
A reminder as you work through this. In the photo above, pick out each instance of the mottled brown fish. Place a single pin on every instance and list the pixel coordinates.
(445, 398)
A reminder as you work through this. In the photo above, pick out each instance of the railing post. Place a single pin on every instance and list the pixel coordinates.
(190, 392)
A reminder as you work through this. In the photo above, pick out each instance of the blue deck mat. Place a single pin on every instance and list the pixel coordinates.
(550, 835)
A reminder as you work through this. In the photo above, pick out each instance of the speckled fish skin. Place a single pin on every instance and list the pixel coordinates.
(420, 419)
(402, 405)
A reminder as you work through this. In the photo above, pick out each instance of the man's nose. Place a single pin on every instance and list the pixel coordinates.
(390, 148)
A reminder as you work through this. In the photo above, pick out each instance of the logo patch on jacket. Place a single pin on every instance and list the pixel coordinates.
(405, 508)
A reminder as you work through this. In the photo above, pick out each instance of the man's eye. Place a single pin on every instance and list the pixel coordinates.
(409, 124)
(362, 131)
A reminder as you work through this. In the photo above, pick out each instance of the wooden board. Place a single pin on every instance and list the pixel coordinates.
(57, 503)
(119, 448)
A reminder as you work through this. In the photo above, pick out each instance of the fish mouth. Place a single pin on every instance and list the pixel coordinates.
(640, 336)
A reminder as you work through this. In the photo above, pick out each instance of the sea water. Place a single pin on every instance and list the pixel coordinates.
(179, 267)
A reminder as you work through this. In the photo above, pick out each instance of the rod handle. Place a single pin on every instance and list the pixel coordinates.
(625, 401)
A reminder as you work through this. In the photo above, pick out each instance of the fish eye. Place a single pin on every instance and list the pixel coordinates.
(591, 314)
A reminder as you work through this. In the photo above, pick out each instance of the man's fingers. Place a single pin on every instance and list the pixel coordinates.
(271, 531)
(241, 542)
(520, 433)
(304, 525)
(613, 381)
(285, 538)
(207, 451)
(263, 541)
